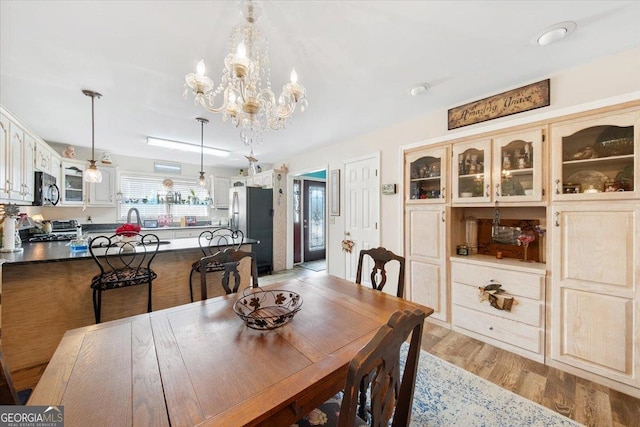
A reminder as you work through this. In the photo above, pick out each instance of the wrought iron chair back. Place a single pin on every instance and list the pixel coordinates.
(123, 261)
(228, 260)
(211, 242)
(381, 257)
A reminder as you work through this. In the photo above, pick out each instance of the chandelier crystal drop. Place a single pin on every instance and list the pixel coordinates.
(244, 95)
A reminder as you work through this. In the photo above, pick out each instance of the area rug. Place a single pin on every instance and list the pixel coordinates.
(446, 395)
(319, 265)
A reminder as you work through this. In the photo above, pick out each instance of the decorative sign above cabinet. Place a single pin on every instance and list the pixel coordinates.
(514, 101)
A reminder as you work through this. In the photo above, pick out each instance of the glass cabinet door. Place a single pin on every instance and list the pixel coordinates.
(595, 158)
(517, 166)
(426, 173)
(471, 177)
(73, 192)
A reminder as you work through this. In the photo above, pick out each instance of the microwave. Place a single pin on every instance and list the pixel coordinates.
(47, 192)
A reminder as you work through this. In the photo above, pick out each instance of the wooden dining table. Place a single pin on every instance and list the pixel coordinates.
(199, 364)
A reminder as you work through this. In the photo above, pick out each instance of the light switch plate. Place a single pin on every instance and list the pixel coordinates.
(388, 189)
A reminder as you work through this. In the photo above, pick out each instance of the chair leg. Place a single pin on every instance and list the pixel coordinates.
(191, 285)
(97, 303)
(149, 300)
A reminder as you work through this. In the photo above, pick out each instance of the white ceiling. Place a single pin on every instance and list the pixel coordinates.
(357, 60)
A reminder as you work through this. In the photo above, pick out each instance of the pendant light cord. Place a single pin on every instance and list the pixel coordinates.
(93, 130)
(93, 96)
(201, 146)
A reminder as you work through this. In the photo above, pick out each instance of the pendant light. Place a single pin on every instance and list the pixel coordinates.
(202, 182)
(92, 174)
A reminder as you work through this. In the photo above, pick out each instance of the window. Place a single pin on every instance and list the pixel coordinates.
(148, 194)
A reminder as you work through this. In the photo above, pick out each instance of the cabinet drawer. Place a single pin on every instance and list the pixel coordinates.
(526, 310)
(513, 333)
(516, 283)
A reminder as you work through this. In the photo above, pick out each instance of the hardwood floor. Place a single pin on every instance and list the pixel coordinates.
(584, 401)
(579, 399)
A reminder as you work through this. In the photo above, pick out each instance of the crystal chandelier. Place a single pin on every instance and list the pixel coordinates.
(244, 94)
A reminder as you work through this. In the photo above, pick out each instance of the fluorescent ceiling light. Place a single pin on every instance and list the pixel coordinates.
(160, 167)
(183, 146)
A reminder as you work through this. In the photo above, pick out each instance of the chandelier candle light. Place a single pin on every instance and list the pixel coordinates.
(92, 174)
(244, 94)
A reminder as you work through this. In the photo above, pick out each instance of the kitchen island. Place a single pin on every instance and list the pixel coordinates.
(45, 292)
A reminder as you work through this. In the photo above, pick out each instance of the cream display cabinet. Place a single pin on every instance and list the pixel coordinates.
(426, 249)
(507, 168)
(595, 297)
(426, 174)
(594, 157)
(577, 176)
(521, 329)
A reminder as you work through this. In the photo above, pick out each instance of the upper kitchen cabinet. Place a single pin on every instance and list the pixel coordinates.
(47, 160)
(426, 173)
(4, 157)
(594, 157)
(517, 166)
(471, 172)
(220, 191)
(72, 188)
(103, 193)
(19, 161)
(76, 192)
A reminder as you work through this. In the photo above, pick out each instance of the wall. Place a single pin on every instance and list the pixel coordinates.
(607, 81)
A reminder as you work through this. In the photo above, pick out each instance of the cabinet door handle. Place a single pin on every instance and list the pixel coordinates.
(557, 219)
(443, 214)
(497, 190)
(443, 195)
(487, 192)
(557, 186)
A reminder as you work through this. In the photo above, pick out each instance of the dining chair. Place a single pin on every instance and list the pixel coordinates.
(381, 257)
(8, 393)
(122, 263)
(390, 395)
(228, 261)
(211, 242)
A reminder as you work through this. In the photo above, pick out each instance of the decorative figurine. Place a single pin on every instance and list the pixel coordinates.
(70, 152)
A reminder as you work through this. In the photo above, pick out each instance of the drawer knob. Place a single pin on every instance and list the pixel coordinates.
(491, 328)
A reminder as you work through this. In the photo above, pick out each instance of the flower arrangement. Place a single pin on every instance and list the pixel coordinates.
(128, 230)
(9, 210)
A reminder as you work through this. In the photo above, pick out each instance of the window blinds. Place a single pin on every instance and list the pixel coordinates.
(151, 198)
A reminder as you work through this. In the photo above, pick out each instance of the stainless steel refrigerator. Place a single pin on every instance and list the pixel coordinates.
(251, 211)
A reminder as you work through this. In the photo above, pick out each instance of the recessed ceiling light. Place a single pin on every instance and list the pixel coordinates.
(554, 33)
(419, 89)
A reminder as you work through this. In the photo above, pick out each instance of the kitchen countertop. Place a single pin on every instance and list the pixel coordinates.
(38, 252)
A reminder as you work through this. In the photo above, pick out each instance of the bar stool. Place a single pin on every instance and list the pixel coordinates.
(211, 242)
(123, 261)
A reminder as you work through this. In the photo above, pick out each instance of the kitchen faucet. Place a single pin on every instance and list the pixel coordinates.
(138, 221)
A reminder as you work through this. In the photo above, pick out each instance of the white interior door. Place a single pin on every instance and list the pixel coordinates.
(362, 209)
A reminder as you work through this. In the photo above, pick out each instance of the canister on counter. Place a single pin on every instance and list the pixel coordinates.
(462, 250)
